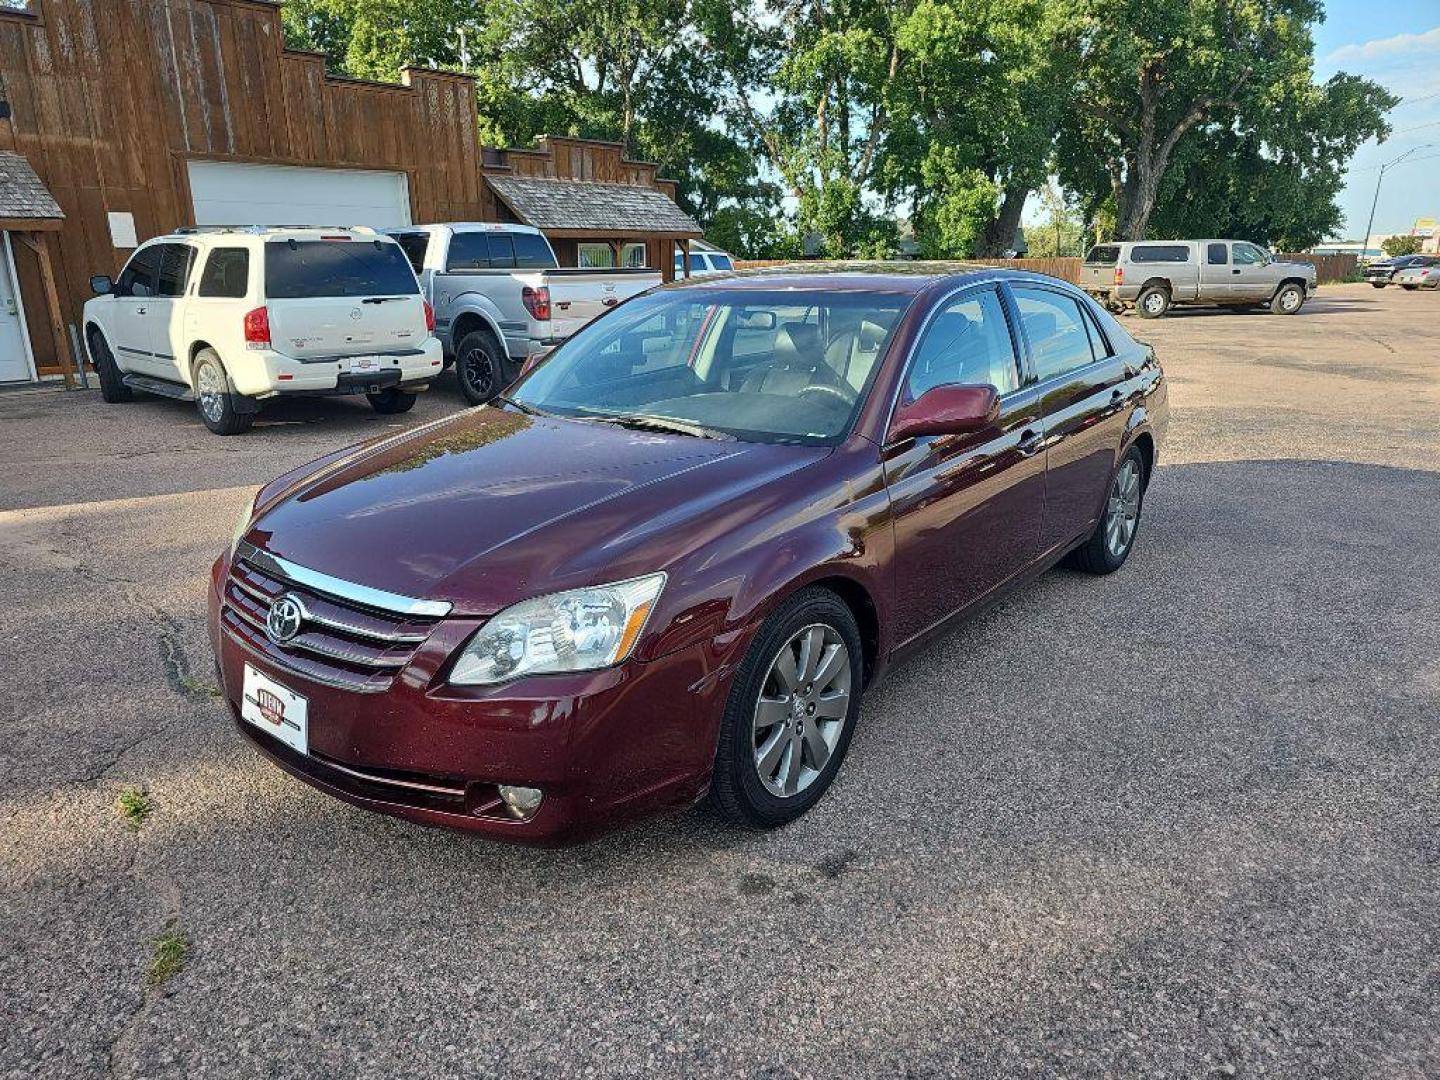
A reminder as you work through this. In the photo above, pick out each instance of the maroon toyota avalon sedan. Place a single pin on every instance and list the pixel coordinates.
(672, 558)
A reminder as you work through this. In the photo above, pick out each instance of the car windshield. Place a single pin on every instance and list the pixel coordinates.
(771, 365)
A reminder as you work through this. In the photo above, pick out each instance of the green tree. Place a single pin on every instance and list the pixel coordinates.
(1059, 232)
(1149, 76)
(1395, 246)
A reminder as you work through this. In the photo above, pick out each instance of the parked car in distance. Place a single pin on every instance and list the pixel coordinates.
(704, 263)
(1382, 272)
(1423, 273)
(1155, 275)
(500, 296)
(673, 556)
(231, 317)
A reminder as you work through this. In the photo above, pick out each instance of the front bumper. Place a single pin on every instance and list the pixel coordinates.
(604, 746)
(264, 374)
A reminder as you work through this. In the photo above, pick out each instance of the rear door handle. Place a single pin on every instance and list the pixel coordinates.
(1029, 443)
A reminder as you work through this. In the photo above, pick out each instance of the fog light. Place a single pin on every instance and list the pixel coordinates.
(522, 802)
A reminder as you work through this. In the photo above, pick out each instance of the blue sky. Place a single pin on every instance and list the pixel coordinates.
(1396, 43)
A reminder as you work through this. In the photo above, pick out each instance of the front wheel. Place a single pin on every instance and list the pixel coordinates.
(1153, 302)
(214, 399)
(113, 390)
(1377, 284)
(791, 712)
(1409, 288)
(480, 364)
(391, 401)
(1287, 299)
(1109, 545)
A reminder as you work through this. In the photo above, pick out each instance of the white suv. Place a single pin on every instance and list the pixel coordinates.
(230, 317)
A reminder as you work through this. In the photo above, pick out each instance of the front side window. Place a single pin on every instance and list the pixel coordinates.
(468, 251)
(138, 277)
(174, 272)
(967, 343)
(1249, 255)
(761, 365)
(1059, 342)
(306, 269)
(1216, 255)
(226, 274)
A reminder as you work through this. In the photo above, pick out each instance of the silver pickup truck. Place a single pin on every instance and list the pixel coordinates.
(1153, 275)
(500, 296)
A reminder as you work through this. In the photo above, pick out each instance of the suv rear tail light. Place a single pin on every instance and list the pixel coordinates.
(257, 328)
(429, 316)
(537, 302)
(1119, 275)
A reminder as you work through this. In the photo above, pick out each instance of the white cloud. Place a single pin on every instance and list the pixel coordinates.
(1401, 45)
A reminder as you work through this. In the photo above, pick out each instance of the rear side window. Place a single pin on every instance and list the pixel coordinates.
(227, 273)
(1160, 253)
(532, 252)
(967, 343)
(302, 269)
(1059, 341)
(468, 251)
(1104, 255)
(1216, 255)
(722, 262)
(138, 277)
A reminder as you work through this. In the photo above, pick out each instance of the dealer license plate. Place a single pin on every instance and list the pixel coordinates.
(276, 710)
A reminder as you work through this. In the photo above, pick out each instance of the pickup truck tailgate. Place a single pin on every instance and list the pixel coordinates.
(576, 297)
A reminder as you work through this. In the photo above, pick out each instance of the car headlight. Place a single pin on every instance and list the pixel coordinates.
(579, 630)
(242, 524)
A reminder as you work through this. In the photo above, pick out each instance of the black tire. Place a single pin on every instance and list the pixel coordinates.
(1409, 288)
(1096, 555)
(736, 787)
(391, 401)
(480, 365)
(1288, 299)
(1153, 302)
(112, 387)
(1377, 284)
(217, 410)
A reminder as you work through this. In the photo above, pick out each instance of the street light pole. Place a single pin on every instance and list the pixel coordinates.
(1365, 251)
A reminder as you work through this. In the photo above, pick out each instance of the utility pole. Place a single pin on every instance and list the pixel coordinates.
(1365, 250)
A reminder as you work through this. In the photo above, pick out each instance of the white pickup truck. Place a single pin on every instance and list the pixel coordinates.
(500, 296)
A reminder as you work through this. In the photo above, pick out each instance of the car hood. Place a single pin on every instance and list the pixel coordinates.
(489, 507)
(1301, 267)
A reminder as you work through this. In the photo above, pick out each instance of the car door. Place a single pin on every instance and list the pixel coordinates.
(161, 315)
(1216, 272)
(968, 509)
(1250, 277)
(1082, 391)
(134, 292)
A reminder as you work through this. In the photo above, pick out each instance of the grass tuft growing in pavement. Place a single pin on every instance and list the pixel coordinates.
(199, 687)
(133, 804)
(172, 949)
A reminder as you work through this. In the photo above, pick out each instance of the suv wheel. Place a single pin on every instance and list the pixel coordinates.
(1153, 302)
(112, 383)
(1288, 299)
(1109, 545)
(391, 401)
(1377, 284)
(790, 713)
(214, 399)
(480, 365)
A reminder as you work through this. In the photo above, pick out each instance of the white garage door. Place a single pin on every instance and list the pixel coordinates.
(228, 193)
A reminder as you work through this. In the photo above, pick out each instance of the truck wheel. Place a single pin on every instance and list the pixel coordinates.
(1377, 284)
(1152, 302)
(1287, 299)
(480, 364)
(214, 399)
(391, 401)
(113, 390)
(1408, 288)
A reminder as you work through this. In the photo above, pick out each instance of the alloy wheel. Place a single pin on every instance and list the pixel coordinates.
(1154, 303)
(1122, 511)
(1290, 299)
(210, 388)
(477, 368)
(801, 712)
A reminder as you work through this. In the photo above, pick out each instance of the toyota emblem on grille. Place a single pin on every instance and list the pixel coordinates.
(287, 614)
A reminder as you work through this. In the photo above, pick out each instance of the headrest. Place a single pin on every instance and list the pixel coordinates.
(871, 335)
(798, 343)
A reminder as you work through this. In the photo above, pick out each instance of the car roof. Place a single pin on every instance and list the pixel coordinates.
(886, 277)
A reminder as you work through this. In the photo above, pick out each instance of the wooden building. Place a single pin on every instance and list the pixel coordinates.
(142, 116)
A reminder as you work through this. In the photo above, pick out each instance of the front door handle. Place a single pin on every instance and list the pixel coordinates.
(139, 311)
(1029, 443)
(1234, 271)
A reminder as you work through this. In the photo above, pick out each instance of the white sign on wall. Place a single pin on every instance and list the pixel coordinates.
(122, 229)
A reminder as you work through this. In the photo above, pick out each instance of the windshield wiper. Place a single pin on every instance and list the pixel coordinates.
(647, 422)
(528, 410)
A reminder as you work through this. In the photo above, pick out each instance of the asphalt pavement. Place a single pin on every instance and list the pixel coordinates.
(1178, 822)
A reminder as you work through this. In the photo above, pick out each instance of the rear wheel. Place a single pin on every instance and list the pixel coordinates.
(1288, 299)
(1153, 302)
(214, 398)
(1408, 288)
(1109, 545)
(480, 364)
(791, 712)
(391, 401)
(1377, 284)
(112, 385)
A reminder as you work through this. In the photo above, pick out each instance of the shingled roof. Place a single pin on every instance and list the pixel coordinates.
(586, 206)
(22, 195)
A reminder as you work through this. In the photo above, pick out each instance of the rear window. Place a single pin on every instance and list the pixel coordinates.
(1104, 255)
(301, 269)
(1160, 253)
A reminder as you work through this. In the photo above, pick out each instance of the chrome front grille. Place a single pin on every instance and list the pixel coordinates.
(352, 637)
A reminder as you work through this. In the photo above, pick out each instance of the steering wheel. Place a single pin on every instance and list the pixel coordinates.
(826, 388)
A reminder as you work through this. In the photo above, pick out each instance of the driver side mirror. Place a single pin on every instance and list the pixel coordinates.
(101, 285)
(946, 410)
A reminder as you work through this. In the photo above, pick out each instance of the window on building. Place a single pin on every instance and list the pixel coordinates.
(595, 256)
(634, 256)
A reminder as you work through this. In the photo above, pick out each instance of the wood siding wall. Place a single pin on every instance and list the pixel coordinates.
(110, 98)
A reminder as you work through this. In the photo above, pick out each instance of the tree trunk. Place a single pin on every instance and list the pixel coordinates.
(998, 235)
